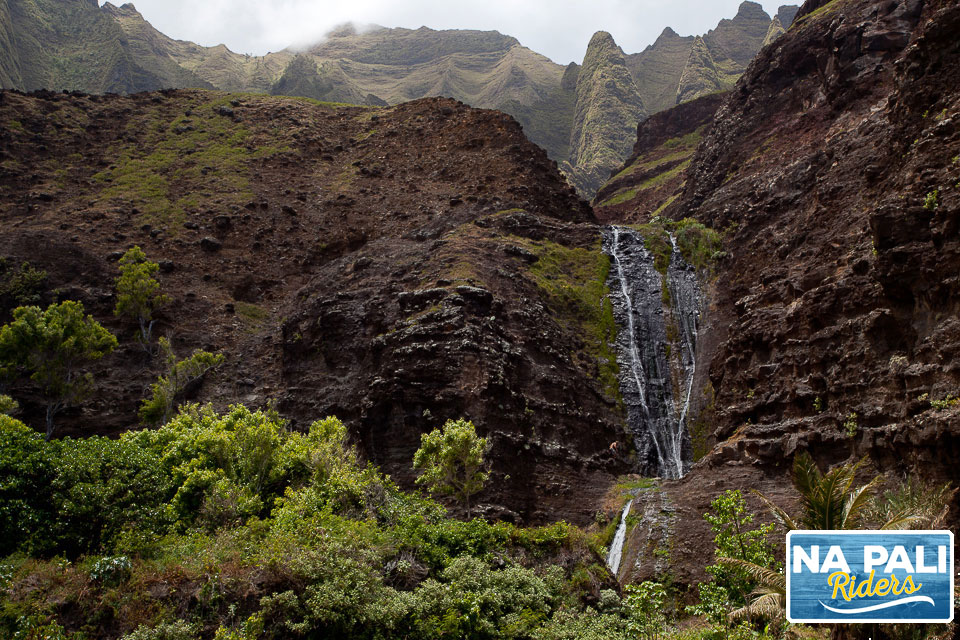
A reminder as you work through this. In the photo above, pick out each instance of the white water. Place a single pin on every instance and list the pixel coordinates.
(616, 547)
(636, 363)
(688, 319)
(656, 409)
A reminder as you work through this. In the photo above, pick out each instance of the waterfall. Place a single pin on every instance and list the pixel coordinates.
(616, 547)
(657, 367)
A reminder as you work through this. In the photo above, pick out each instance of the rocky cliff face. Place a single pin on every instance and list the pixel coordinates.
(396, 267)
(836, 160)
(121, 52)
(608, 108)
(72, 44)
(672, 71)
(654, 175)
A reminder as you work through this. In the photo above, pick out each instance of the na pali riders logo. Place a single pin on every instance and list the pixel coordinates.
(870, 576)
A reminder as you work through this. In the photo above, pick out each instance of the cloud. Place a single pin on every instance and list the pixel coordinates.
(559, 29)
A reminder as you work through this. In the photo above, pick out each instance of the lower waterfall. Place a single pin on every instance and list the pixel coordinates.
(616, 547)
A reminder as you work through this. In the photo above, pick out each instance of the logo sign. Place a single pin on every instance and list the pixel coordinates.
(869, 576)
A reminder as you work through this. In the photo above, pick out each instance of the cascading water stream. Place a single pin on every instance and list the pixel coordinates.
(616, 547)
(657, 367)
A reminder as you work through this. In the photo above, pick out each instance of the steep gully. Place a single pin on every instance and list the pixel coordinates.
(658, 317)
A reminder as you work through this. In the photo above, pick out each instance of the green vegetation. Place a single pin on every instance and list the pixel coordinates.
(930, 201)
(574, 282)
(253, 315)
(736, 538)
(451, 461)
(8, 406)
(945, 403)
(183, 163)
(827, 9)
(831, 501)
(238, 526)
(20, 287)
(689, 141)
(850, 424)
(167, 392)
(620, 197)
(699, 245)
(138, 292)
(53, 346)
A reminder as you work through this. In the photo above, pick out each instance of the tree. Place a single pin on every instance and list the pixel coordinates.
(452, 461)
(168, 390)
(54, 345)
(8, 406)
(138, 292)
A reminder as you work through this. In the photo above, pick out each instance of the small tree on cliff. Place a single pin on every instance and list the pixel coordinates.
(54, 345)
(138, 292)
(168, 390)
(451, 460)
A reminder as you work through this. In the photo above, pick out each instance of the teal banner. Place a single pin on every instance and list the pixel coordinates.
(870, 576)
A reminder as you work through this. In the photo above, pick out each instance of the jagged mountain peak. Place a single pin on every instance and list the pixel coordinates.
(775, 31)
(601, 39)
(751, 10)
(787, 13)
(126, 9)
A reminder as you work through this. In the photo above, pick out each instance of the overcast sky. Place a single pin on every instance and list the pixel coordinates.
(559, 29)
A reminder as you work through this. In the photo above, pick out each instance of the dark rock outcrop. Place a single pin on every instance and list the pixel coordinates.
(351, 262)
(834, 168)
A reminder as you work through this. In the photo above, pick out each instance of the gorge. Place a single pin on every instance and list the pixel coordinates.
(770, 273)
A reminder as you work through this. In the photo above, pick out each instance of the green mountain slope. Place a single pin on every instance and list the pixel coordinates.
(68, 44)
(658, 68)
(584, 121)
(608, 109)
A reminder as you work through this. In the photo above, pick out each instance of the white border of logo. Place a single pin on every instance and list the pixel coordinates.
(878, 533)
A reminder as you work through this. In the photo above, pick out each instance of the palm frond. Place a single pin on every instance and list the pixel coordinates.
(781, 516)
(806, 473)
(827, 500)
(768, 605)
(904, 519)
(857, 503)
(764, 577)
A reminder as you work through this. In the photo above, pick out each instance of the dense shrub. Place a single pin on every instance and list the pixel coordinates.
(331, 547)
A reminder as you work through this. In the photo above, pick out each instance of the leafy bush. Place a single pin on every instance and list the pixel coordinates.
(101, 488)
(334, 547)
(176, 630)
(22, 287)
(734, 536)
(8, 405)
(27, 469)
(53, 346)
(451, 460)
(699, 245)
(111, 569)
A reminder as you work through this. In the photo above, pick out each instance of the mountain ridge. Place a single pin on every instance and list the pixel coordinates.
(383, 65)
